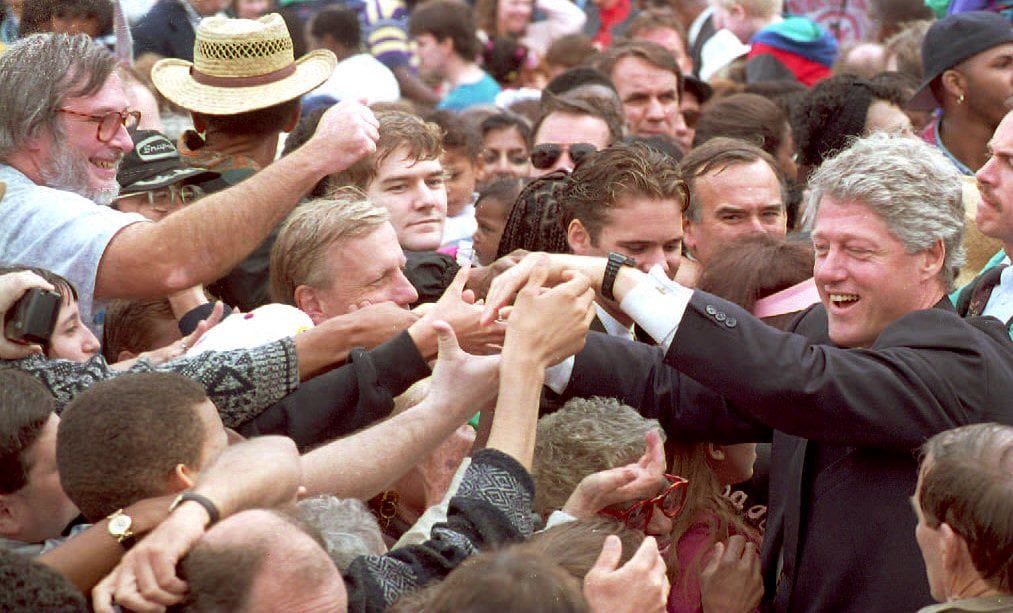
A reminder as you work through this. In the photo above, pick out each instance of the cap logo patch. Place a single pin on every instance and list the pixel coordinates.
(156, 148)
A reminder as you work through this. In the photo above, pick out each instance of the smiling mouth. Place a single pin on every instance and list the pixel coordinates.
(107, 164)
(843, 300)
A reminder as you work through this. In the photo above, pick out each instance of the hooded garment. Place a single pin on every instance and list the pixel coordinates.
(799, 44)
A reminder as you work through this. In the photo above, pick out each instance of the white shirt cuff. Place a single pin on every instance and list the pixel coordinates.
(558, 377)
(657, 304)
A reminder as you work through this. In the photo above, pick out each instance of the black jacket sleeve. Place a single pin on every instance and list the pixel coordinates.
(346, 399)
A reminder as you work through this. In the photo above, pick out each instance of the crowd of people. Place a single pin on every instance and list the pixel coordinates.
(512, 305)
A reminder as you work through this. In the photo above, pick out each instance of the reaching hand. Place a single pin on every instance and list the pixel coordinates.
(12, 287)
(378, 323)
(731, 583)
(640, 586)
(482, 276)
(635, 481)
(347, 132)
(550, 325)
(457, 307)
(145, 579)
(462, 382)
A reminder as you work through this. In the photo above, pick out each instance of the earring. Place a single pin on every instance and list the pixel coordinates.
(960, 99)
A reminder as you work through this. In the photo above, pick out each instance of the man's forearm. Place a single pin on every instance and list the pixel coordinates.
(363, 464)
(261, 472)
(203, 241)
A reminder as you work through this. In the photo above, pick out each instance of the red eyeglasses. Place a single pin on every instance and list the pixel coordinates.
(670, 501)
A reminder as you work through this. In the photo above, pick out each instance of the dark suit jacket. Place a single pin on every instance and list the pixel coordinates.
(165, 30)
(696, 50)
(845, 425)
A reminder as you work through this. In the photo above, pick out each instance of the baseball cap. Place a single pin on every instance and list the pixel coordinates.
(154, 163)
(952, 40)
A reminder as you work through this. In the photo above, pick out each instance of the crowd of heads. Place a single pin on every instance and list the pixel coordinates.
(776, 180)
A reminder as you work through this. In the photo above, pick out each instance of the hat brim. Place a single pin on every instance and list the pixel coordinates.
(172, 78)
(171, 177)
(923, 100)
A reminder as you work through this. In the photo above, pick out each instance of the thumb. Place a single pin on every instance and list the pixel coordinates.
(446, 338)
(611, 552)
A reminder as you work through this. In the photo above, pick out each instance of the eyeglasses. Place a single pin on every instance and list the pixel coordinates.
(545, 155)
(670, 501)
(108, 124)
(172, 194)
(491, 156)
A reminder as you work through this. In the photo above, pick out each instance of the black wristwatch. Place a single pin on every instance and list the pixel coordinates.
(616, 261)
(203, 501)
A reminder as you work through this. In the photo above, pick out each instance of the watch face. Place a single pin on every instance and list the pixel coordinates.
(119, 524)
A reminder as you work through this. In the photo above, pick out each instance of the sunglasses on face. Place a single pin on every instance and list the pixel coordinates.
(108, 124)
(545, 155)
(670, 502)
(491, 156)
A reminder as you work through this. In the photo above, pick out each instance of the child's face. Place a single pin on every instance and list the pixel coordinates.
(460, 180)
(491, 216)
(71, 339)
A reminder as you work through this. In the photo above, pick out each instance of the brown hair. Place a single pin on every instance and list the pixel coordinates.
(576, 545)
(509, 580)
(571, 50)
(443, 19)
(749, 117)
(621, 170)
(25, 407)
(654, 19)
(967, 482)
(119, 440)
(420, 140)
(754, 267)
(608, 111)
(652, 53)
(128, 326)
(719, 153)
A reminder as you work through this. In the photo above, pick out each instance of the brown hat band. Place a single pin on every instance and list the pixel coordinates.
(264, 79)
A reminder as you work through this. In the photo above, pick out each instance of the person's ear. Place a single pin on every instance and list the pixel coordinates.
(954, 83)
(307, 301)
(578, 237)
(953, 549)
(934, 259)
(715, 452)
(293, 119)
(181, 478)
(10, 521)
(125, 355)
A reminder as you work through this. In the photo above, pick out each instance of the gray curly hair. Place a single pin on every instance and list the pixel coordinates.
(909, 184)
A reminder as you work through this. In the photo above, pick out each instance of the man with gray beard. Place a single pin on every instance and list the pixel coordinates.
(64, 127)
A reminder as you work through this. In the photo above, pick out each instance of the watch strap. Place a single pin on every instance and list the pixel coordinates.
(615, 262)
(203, 501)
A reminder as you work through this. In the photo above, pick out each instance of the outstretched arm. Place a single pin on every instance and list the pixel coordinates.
(201, 242)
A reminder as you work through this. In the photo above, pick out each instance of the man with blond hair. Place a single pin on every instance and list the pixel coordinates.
(789, 47)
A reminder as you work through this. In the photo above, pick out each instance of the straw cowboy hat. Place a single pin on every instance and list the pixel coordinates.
(241, 65)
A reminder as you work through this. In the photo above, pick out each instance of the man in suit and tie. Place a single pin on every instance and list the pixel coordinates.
(856, 385)
(628, 199)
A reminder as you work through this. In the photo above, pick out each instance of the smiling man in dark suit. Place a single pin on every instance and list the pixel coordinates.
(859, 382)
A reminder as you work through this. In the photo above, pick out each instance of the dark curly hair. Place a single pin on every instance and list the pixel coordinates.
(834, 113)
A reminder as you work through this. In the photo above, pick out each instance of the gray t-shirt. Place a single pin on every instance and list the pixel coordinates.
(59, 231)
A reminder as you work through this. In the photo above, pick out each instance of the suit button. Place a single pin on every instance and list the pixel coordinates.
(710, 310)
(731, 322)
(720, 316)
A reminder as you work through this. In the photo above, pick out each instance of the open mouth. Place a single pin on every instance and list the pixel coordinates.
(843, 301)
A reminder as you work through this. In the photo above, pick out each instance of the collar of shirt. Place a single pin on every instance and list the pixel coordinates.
(612, 325)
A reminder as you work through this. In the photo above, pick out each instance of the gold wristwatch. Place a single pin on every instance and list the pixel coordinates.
(119, 529)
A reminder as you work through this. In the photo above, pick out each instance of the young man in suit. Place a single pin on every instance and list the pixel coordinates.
(857, 383)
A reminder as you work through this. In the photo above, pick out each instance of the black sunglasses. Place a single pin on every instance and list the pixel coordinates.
(545, 155)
